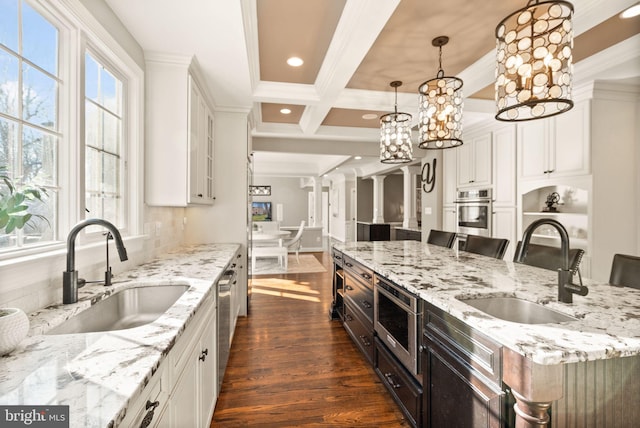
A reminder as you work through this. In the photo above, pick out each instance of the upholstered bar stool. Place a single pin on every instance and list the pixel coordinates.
(490, 247)
(441, 238)
(625, 271)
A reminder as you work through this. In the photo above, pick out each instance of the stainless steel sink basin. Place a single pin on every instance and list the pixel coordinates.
(131, 307)
(517, 310)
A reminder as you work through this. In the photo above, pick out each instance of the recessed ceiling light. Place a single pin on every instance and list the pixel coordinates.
(369, 116)
(285, 111)
(358, 157)
(631, 12)
(294, 61)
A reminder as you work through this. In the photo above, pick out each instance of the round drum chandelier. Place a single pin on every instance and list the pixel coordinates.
(440, 108)
(395, 134)
(534, 61)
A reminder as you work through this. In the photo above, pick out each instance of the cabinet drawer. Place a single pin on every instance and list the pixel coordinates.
(361, 331)
(472, 347)
(404, 389)
(359, 271)
(360, 295)
(337, 258)
(150, 404)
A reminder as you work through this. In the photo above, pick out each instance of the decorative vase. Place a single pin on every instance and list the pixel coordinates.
(14, 326)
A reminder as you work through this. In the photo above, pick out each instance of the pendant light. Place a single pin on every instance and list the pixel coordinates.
(440, 109)
(534, 61)
(395, 134)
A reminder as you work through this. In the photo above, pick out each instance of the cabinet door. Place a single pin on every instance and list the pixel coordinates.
(208, 370)
(504, 226)
(504, 166)
(449, 175)
(571, 147)
(195, 121)
(208, 150)
(184, 399)
(533, 148)
(450, 219)
(465, 163)
(481, 149)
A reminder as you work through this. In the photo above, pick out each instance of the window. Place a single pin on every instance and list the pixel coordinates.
(29, 136)
(103, 143)
(70, 133)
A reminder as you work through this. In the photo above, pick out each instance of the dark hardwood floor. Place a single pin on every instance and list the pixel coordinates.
(290, 366)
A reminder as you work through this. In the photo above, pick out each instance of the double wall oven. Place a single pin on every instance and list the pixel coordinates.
(398, 318)
(474, 210)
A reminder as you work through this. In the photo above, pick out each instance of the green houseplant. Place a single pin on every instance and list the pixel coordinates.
(15, 201)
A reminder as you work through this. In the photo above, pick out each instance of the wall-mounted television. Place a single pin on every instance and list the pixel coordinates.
(261, 211)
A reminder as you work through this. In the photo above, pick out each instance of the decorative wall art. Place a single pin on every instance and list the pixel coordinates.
(260, 190)
(428, 176)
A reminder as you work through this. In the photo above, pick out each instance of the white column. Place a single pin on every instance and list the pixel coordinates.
(410, 183)
(378, 198)
(317, 195)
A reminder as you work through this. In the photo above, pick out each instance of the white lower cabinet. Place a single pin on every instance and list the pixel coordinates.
(183, 391)
(450, 218)
(504, 226)
(194, 366)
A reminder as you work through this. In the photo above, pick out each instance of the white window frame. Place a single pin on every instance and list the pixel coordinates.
(80, 31)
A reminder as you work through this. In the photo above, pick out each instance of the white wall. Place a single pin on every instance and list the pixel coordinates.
(432, 202)
(285, 191)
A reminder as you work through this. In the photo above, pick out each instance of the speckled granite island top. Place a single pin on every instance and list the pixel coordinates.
(97, 374)
(608, 318)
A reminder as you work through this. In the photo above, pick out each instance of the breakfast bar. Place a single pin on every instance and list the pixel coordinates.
(567, 365)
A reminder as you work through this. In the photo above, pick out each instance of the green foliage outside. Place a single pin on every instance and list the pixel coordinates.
(15, 201)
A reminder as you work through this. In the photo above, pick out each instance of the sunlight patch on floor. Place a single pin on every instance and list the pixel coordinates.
(286, 294)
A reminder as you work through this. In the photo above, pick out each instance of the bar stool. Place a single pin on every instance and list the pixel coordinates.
(490, 247)
(441, 238)
(625, 271)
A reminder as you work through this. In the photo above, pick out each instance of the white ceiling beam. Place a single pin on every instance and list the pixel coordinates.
(359, 26)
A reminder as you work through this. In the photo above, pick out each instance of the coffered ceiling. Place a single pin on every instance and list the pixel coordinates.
(352, 50)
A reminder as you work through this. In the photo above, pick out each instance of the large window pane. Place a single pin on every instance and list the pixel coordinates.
(38, 98)
(103, 143)
(9, 93)
(39, 157)
(39, 40)
(9, 24)
(8, 145)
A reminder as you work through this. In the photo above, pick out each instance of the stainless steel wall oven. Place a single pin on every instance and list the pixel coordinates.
(474, 208)
(398, 318)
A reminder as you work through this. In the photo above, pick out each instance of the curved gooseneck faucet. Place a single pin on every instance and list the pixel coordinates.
(70, 276)
(565, 288)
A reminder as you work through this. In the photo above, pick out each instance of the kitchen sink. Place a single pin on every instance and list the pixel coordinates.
(129, 308)
(517, 310)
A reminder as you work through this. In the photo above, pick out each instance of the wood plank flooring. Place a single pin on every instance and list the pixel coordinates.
(290, 366)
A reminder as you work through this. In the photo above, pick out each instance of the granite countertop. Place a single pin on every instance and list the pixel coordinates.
(97, 374)
(608, 318)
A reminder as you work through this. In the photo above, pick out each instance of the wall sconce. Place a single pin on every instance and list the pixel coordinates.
(260, 190)
(534, 61)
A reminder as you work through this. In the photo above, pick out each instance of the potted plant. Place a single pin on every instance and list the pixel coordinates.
(15, 201)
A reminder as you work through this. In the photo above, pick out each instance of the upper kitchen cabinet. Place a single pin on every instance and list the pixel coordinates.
(474, 160)
(558, 146)
(504, 166)
(180, 130)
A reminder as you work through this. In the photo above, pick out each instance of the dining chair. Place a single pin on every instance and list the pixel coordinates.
(625, 271)
(441, 238)
(295, 242)
(490, 247)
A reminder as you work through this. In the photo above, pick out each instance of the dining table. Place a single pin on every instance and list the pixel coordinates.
(271, 236)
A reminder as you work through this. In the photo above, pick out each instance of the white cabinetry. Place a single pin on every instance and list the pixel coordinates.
(474, 160)
(504, 226)
(194, 371)
(504, 166)
(179, 134)
(449, 183)
(150, 408)
(556, 146)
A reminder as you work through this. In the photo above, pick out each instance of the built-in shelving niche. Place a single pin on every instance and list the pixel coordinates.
(572, 212)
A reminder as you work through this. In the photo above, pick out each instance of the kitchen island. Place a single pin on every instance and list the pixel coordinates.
(99, 375)
(539, 361)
